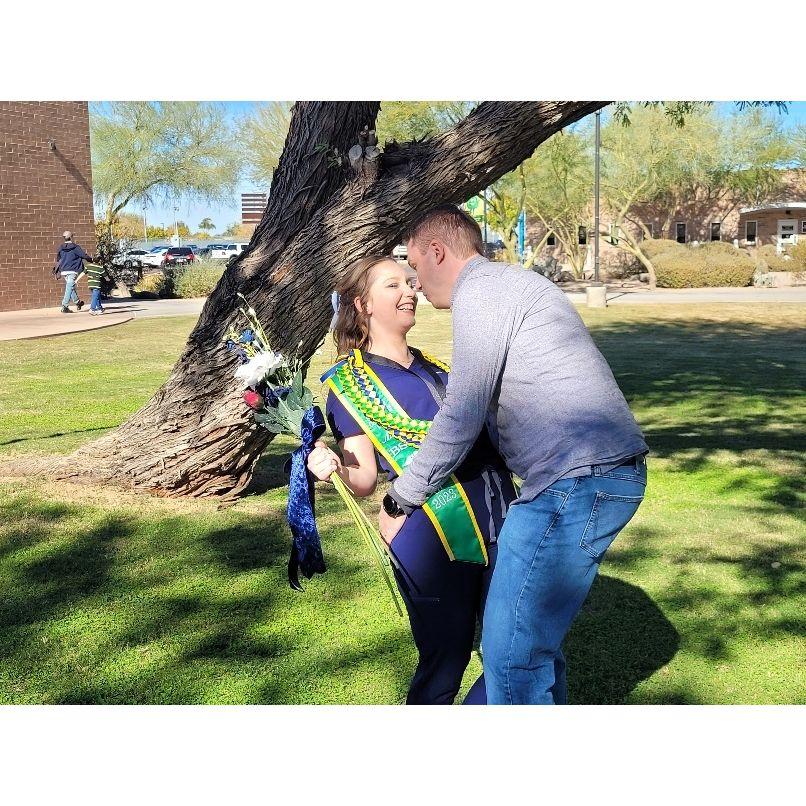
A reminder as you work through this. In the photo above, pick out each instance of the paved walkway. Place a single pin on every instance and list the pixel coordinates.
(34, 324)
(617, 295)
(50, 322)
(41, 322)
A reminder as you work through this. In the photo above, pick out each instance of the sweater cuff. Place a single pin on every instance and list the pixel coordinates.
(404, 504)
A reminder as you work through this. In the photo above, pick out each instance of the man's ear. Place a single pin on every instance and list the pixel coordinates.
(439, 251)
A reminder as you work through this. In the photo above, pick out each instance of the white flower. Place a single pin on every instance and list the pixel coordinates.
(258, 367)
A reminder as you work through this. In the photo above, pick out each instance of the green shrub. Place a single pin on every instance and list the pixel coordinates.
(704, 268)
(198, 280)
(659, 246)
(798, 255)
(171, 275)
(718, 248)
(150, 285)
(161, 283)
(769, 260)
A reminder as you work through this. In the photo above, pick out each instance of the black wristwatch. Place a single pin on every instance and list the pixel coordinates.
(391, 507)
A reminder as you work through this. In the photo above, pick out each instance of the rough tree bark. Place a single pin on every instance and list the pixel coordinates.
(195, 436)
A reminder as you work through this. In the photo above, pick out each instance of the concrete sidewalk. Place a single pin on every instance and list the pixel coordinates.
(632, 295)
(147, 308)
(34, 324)
(40, 322)
(50, 322)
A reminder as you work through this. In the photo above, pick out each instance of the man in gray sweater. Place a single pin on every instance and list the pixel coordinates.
(525, 365)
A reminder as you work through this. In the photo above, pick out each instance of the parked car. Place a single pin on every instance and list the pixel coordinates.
(132, 259)
(178, 256)
(154, 258)
(226, 251)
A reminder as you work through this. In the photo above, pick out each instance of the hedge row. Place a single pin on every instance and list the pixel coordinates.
(708, 266)
(793, 259)
(193, 281)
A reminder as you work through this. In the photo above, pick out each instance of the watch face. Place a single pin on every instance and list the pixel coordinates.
(390, 506)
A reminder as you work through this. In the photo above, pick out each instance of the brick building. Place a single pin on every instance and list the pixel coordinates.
(252, 207)
(779, 223)
(45, 188)
(779, 220)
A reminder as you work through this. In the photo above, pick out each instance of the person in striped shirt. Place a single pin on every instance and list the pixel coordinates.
(94, 274)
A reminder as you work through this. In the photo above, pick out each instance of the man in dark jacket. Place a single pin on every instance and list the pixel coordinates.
(70, 264)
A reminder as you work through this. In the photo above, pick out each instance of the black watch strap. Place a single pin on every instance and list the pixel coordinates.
(391, 507)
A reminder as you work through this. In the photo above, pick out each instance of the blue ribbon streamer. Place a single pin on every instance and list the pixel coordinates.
(306, 548)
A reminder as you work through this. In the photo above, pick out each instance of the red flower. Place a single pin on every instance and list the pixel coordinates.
(253, 400)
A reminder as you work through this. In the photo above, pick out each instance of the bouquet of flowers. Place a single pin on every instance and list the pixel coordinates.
(275, 390)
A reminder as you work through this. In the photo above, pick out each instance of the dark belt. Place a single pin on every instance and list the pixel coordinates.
(636, 461)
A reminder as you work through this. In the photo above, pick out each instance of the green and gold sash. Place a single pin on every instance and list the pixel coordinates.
(397, 437)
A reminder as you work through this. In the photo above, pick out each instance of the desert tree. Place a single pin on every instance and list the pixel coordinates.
(195, 436)
(559, 182)
(142, 152)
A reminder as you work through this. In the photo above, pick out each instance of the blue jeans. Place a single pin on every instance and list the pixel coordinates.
(549, 551)
(69, 288)
(95, 302)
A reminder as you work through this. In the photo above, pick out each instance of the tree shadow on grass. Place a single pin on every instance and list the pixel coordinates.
(170, 611)
(67, 573)
(56, 434)
(620, 638)
(251, 545)
(269, 473)
(704, 387)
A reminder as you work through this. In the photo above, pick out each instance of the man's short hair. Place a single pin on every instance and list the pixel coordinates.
(456, 228)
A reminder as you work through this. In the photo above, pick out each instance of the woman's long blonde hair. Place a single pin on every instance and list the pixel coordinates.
(352, 326)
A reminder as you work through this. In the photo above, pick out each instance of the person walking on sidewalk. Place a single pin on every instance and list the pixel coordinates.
(94, 274)
(70, 264)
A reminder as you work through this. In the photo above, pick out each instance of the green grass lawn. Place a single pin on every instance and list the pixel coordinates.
(116, 597)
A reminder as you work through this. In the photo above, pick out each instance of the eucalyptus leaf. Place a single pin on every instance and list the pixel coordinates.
(270, 420)
(299, 385)
(275, 427)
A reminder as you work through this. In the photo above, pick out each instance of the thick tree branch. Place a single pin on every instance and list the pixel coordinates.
(195, 436)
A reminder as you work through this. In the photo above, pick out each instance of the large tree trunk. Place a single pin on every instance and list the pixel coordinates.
(195, 436)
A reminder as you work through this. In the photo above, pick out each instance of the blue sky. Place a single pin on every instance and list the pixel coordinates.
(193, 212)
(224, 215)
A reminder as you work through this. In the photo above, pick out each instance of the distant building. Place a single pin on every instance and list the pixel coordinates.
(779, 221)
(252, 207)
(45, 189)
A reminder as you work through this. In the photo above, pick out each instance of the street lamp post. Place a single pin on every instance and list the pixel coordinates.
(596, 293)
(145, 228)
(484, 196)
(596, 200)
(176, 224)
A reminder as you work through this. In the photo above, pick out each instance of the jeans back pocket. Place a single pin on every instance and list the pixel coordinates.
(610, 514)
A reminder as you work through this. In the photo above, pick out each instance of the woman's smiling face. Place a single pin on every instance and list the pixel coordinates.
(391, 300)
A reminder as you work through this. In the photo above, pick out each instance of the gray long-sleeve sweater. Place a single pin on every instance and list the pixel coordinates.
(525, 364)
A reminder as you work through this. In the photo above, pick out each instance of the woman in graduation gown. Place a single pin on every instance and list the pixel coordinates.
(382, 396)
